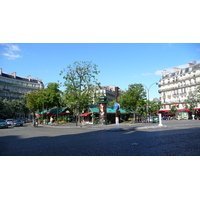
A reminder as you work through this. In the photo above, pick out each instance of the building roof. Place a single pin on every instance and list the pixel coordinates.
(182, 71)
(13, 76)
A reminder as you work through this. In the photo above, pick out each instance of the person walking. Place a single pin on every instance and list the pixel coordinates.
(51, 120)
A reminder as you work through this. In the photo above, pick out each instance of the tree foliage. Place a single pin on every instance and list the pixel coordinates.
(34, 100)
(173, 110)
(155, 105)
(10, 108)
(80, 83)
(191, 102)
(49, 97)
(134, 97)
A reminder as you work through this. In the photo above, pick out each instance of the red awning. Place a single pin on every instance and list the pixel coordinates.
(186, 110)
(85, 114)
(168, 114)
(161, 111)
(65, 113)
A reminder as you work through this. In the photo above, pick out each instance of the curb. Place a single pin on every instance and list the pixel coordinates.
(137, 128)
(115, 129)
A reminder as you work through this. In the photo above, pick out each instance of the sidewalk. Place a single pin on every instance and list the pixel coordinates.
(109, 127)
(170, 124)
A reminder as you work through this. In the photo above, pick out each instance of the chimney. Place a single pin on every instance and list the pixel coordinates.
(191, 64)
(28, 77)
(164, 72)
(14, 74)
(0, 71)
(176, 69)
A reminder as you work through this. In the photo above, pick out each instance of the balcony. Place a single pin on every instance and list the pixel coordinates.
(179, 86)
(175, 94)
(180, 78)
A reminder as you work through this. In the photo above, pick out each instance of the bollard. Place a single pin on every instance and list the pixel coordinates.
(160, 120)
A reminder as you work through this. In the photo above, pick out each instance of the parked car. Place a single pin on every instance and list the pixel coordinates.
(165, 118)
(28, 120)
(10, 122)
(23, 120)
(18, 122)
(155, 119)
(3, 123)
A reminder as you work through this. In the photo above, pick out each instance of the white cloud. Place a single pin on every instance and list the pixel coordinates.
(10, 55)
(9, 51)
(159, 72)
(147, 74)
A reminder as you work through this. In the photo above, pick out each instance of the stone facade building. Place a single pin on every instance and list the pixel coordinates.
(175, 87)
(14, 87)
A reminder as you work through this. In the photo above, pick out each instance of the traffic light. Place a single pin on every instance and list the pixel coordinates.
(116, 91)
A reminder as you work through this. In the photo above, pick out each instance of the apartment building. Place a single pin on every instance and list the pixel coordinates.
(14, 87)
(108, 91)
(175, 87)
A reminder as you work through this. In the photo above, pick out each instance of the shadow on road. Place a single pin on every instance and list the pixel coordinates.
(184, 142)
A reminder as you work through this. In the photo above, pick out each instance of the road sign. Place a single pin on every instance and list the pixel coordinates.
(116, 106)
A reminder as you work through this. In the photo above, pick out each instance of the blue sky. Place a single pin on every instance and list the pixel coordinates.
(168, 24)
(120, 64)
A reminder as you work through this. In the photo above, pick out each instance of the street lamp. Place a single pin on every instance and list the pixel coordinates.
(148, 88)
(43, 102)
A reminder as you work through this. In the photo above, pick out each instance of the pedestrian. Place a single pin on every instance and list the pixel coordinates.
(51, 120)
(36, 121)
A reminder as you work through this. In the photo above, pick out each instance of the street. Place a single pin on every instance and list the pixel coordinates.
(176, 138)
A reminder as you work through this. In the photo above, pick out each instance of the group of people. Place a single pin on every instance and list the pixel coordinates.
(35, 121)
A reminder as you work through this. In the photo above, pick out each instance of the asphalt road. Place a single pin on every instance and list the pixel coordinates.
(176, 138)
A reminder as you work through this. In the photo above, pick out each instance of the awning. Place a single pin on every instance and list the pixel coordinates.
(163, 111)
(55, 111)
(110, 110)
(186, 110)
(85, 114)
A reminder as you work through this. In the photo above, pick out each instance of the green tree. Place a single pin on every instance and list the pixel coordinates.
(133, 98)
(81, 84)
(173, 110)
(34, 100)
(23, 106)
(6, 108)
(154, 106)
(1, 106)
(44, 99)
(52, 95)
(191, 102)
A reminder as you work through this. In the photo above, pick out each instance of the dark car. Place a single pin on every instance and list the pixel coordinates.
(165, 118)
(3, 123)
(17, 122)
(23, 120)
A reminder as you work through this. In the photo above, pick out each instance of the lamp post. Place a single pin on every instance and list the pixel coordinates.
(43, 102)
(148, 88)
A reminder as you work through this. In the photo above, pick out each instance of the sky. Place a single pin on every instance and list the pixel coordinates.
(131, 42)
(120, 64)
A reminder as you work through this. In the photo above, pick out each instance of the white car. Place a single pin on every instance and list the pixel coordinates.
(10, 122)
